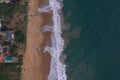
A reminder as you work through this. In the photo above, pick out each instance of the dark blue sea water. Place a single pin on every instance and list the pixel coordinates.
(93, 33)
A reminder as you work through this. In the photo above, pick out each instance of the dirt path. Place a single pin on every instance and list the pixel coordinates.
(35, 63)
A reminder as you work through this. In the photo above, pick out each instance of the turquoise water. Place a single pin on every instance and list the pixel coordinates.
(93, 51)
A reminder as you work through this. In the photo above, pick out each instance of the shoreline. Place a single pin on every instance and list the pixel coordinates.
(44, 42)
(36, 64)
(57, 68)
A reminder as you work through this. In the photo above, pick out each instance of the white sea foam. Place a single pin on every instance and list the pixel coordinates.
(47, 28)
(45, 9)
(57, 68)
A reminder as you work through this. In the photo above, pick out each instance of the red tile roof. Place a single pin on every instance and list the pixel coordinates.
(1, 57)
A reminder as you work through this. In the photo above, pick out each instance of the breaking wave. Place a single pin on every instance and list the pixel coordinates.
(57, 68)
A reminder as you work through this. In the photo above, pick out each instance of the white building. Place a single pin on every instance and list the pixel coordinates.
(6, 1)
(13, 37)
(0, 24)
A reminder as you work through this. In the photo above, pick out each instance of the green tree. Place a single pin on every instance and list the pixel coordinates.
(4, 77)
(19, 36)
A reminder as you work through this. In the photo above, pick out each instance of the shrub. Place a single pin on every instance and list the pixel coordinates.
(4, 77)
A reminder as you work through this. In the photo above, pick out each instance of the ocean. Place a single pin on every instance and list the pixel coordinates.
(92, 39)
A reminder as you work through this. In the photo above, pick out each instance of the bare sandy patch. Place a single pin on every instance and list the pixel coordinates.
(35, 62)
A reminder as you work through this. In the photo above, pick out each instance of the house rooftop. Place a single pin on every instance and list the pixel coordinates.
(0, 24)
(5, 50)
(1, 57)
(7, 1)
(8, 35)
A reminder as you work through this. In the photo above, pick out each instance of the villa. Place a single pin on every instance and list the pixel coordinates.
(5, 55)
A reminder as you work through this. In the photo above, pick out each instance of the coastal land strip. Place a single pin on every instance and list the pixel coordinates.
(36, 63)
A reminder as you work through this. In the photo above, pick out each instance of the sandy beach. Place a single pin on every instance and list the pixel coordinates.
(36, 64)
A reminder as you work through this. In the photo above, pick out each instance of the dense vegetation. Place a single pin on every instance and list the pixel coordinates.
(7, 11)
(6, 69)
(19, 36)
(4, 77)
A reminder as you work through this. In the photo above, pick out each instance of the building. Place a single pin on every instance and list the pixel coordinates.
(5, 55)
(13, 36)
(6, 50)
(1, 49)
(6, 1)
(1, 58)
(8, 36)
(0, 24)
